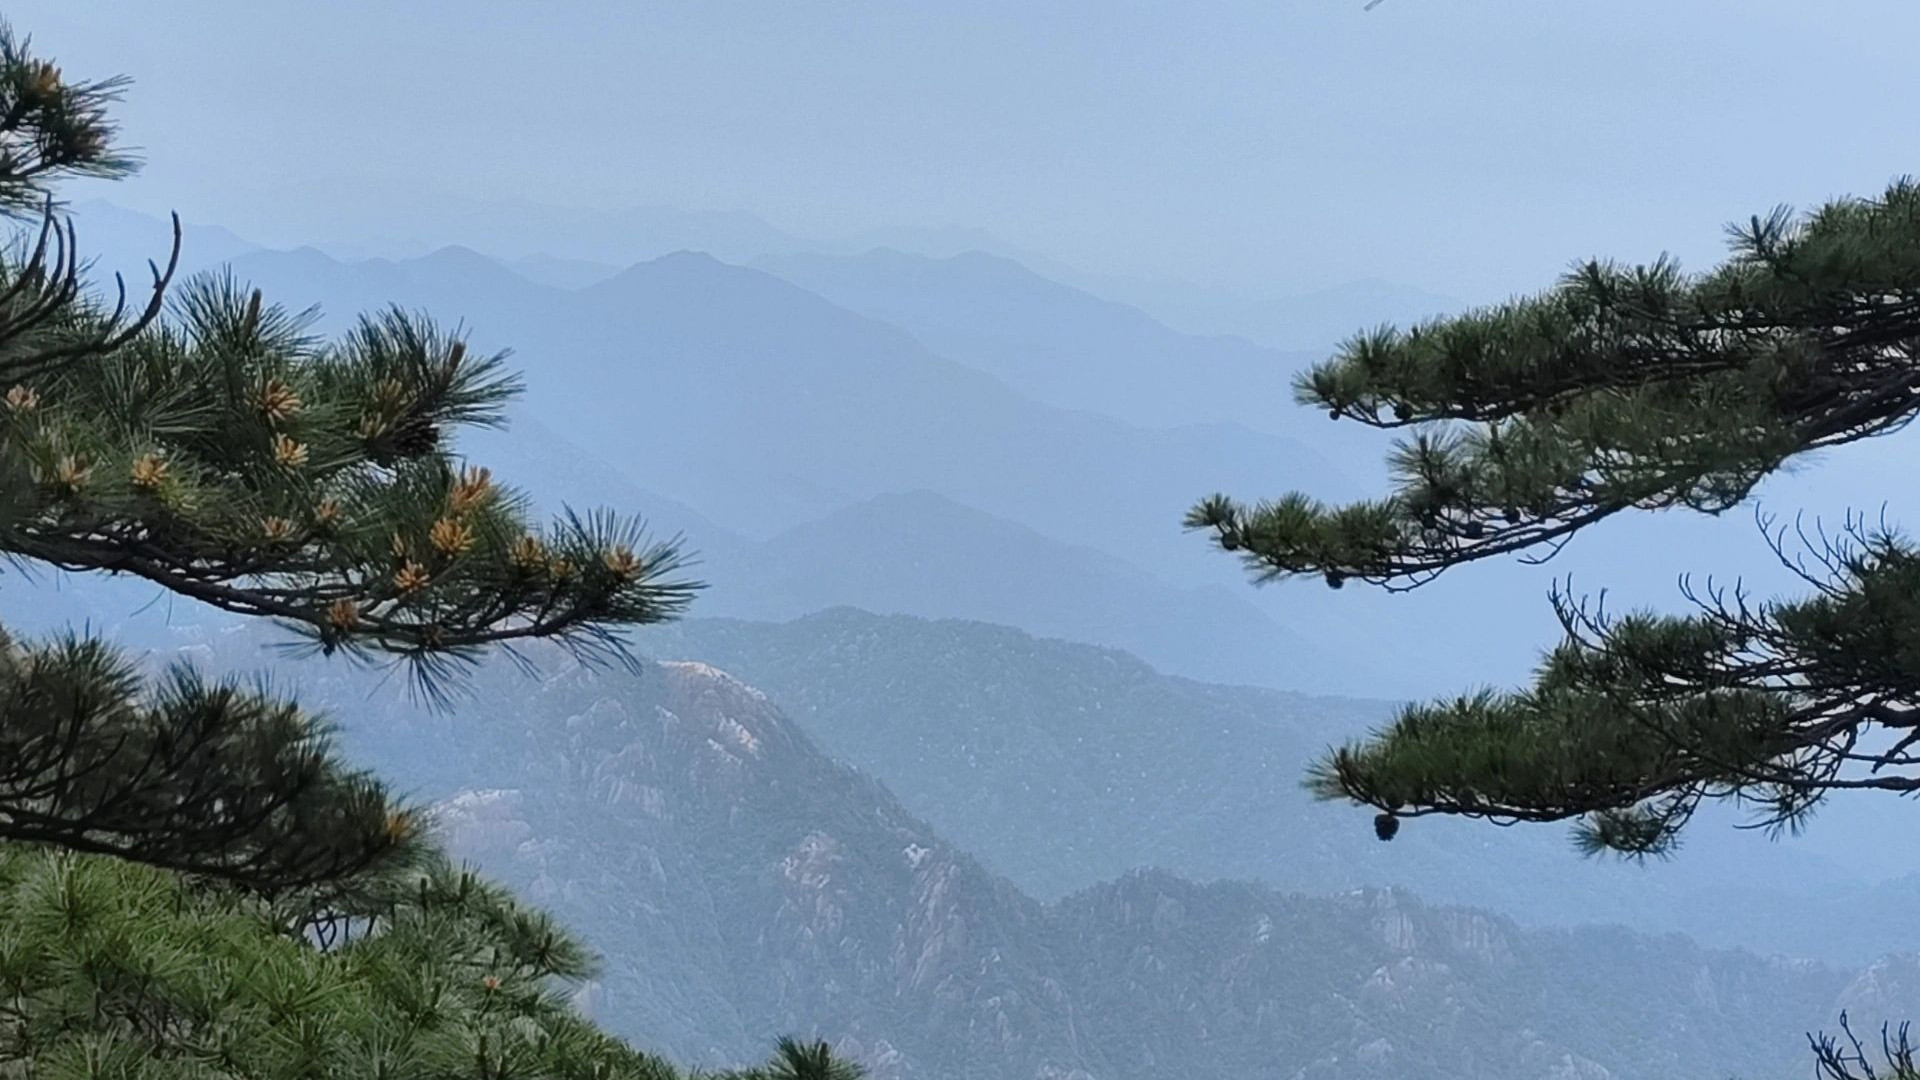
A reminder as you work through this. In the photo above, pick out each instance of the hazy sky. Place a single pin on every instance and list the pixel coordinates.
(1467, 146)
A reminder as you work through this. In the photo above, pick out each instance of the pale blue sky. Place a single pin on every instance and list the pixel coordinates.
(1467, 146)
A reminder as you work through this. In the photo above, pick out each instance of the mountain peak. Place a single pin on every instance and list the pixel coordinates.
(687, 257)
(685, 265)
(455, 255)
(694, 676)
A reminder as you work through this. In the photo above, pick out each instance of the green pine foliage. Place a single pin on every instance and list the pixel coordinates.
(1638, 388)
(110, 968)
(113, 969)
(200, 776)
(192, 884)
(209, 444)
(796, 1060)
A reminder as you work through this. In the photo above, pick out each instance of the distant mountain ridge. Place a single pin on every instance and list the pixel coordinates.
(1061, 765)
(764, 407)
(404, 224)
(408, 223)
(117, 240)
(1057, 343)
(920, 553)
(739, 882)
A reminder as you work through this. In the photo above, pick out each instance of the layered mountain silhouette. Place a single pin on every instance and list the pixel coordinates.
(1056, 343)
(1062, 765)
(115, 240)
(399, 222)
(738, 881)
(920, 553)
(764, 407)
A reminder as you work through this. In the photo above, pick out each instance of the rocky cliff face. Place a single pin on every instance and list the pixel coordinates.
(741, 884)
(1061, 765)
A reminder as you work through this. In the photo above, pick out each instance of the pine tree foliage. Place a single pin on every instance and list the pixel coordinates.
(794, 1059)
(1639, 388)
(50, 126)
(207, 778)
(113, 969)
(208, 443)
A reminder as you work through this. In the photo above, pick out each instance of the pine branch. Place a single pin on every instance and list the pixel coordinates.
(1636, 720)
(1623, 388)
(314, 485)
(203, 778)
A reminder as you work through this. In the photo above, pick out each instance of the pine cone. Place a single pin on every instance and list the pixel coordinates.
(1386, 826)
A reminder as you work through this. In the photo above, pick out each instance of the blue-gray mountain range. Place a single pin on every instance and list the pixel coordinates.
(820, 456)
